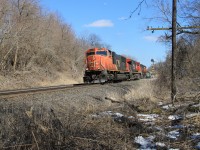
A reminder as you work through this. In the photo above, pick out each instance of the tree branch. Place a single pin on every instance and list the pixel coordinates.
(138, 7)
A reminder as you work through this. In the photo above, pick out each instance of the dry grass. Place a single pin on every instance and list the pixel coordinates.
(144, 97)
(41, 128)
(34, 79)
(50, 124)
(145, 90)
(61, 78)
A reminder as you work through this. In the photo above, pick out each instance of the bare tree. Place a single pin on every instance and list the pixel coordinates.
(36, 41)
(187, 23)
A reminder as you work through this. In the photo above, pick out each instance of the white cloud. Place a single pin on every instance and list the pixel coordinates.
(151, 38)
(101, 23)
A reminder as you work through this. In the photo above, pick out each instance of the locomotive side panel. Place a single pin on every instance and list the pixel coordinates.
(120, 62)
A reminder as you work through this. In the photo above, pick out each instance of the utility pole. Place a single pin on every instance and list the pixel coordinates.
(173, 69)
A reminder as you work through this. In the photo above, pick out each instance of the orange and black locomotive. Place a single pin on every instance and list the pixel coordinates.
(103, 65)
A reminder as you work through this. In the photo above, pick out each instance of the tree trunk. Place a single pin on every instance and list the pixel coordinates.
(16, 55)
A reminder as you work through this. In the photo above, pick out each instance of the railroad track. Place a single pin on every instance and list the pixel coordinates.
(41, 89)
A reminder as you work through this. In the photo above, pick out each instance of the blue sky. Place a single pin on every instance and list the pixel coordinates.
(106, 18)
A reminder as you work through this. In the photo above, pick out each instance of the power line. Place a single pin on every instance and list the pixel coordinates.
(170, 28)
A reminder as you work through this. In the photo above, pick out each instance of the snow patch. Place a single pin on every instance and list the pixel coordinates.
(145, 143)
(198, 146)
(131, 117)
(177, 127)
(158, 128)
(195, 136)
(167, 106)
(197, 105)
(192, 115)
(117, 116)
(147, 117)
(160, 144)
(175, 117)
(173, 134)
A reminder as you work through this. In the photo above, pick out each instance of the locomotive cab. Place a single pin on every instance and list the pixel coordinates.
(98, 61)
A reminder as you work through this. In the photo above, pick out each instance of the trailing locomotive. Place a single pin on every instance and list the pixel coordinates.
(103, 65)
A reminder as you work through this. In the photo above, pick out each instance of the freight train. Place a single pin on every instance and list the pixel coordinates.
(104, 65)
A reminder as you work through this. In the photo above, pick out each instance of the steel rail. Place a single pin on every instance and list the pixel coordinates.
(40, 89)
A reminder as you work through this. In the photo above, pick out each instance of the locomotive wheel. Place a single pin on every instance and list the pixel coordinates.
(102, 79)
(87, 79)
(115, 76)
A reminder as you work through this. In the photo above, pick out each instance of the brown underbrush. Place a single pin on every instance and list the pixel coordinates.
(28, 79)
(127, 121)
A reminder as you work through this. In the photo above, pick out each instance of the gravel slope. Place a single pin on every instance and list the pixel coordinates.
(78, 98)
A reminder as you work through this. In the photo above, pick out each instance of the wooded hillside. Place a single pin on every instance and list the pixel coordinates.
(39, 43)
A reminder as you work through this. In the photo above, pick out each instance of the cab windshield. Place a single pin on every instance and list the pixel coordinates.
(104, 53)
(90, 53)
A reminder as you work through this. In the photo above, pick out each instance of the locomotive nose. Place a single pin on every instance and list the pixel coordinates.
(93, 63)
